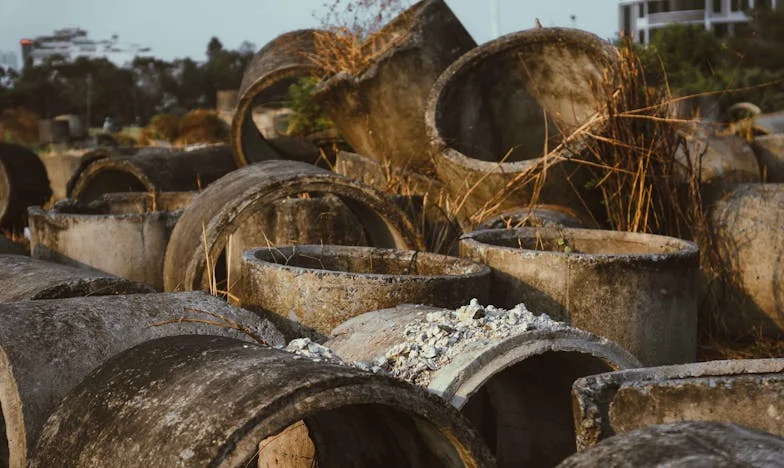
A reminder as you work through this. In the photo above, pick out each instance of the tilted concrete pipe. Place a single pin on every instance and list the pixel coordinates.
(124, 234)
(745, 392)
(48, 347)
(24, 279)
(191, 402)
(205, 227)
(770, 154)
(638, 290)
(514, 388)
(23, 183)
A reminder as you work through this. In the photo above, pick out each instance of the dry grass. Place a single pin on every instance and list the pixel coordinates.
(721, 348)
(202, 126)
(162, 128)
(19, 126)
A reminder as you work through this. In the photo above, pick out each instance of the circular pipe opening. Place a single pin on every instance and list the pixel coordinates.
(110, 181)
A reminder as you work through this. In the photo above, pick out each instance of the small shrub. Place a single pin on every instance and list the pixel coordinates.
(202, 126)
(19, 126)
(307, 117)
(162, 127)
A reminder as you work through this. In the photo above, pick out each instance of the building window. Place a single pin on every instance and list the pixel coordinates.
(764, 4)
(717, 6)
(641, 37)
(641, 10)
(627, 20)
(740, 5)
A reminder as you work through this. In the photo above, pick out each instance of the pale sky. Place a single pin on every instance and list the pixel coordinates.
(179, 28)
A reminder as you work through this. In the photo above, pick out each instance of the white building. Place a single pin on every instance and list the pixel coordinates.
(8, 60)
(72, 43)
(640, 18)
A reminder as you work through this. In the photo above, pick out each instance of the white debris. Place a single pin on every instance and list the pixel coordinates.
(306, 347)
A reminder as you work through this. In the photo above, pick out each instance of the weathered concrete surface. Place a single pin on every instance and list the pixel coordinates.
(748, 229)
(322, 286)
(159, 170)
(7, 246)
(495, 112)
(695, 444)
(746, 392)
(92, 156)
(23, 183)
(60, 168)
(537, 215)
(24, 278)
(278, 65)
(637, 290)
(380, 111)
(225, 103)
(770, 154)
(48, 347)
(514, 389)
(220, 210)
(386, 177)
(209, 402)
(124, 234)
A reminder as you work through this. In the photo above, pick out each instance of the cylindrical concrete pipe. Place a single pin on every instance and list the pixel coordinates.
(386, 177)
(60, 168)
(747, 392)
(48, 347)
(321, 286)
(748, 233)
(23, 183)
(770, 154)
(638, 290)
(190, 402)
(513, 385)
(8, 246)
(380, 109)
(124, 234)
(691, 443)
(92, 156)
(537, 215)
(265, 82)
(161, 170)
(496, 111)
(206, 226)
(25, 279)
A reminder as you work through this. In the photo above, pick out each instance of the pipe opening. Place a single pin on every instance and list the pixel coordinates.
(4, 450)
(110, 181)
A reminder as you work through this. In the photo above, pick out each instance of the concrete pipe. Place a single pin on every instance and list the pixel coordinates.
(190, 402)
(265, 82)
(496, 111)
(91, 156)
(380, 110)
(8, 246)
(748, 233)
(23, 183)
(390, 179)
(25, 279)
(124, 234)
(770, 154)
(48, 347)
(160, 170)
(537, 215)
(60, 168)
(746, 392)
(513, 385)
(223, 208)
(638, 290)
(691, 443)
(321, 286)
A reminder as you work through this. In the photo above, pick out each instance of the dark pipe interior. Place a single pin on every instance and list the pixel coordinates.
(110, 181)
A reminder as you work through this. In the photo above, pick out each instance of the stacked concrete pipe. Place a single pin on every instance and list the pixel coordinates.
(158, 170)
(192, 402)
(23, 183)
(124, 234)
(770, 154)
(47, 347)
(206, 226)
(510, 105)
(321, 286)
(638, 290)
(515, 389)
(748, 393)
(380, 109)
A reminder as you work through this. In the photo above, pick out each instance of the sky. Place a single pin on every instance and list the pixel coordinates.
(182, 28)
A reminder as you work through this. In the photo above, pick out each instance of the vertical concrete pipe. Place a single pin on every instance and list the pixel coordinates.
(321, 286)
(48, 347)
(160, 170)
(24, 278)
(691, 443)
(514, 389)
(124, 234)
(748, 393)
(638, 290)
(23, 183)
(380, 109)
(205, 228)
(770, 154)
(505, 107)
(191, 402)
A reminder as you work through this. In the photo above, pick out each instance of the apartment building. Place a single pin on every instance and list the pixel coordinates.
(71, 43)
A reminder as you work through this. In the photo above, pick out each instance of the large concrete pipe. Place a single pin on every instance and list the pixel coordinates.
(9, 246)
(321, 286)
(92, 156)
(496, 111)
(222, 209)
(746, 392)
(386, 177)
(48, 347)
(160, 170)
(638, 290)
(770, 154)
(191, 402)
(509, 372)
(60, 168)
(24, 279)
(380, 109)
(124, 234)
(23, 183)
